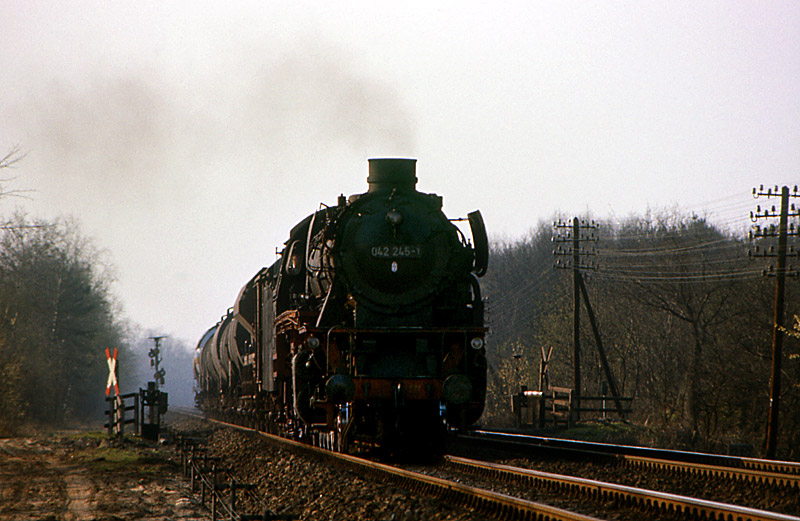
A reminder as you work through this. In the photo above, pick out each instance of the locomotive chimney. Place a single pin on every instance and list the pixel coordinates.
(387, 174)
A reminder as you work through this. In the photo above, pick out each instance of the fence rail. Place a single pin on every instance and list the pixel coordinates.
(558, 406)
(118, 407)
(219, 486)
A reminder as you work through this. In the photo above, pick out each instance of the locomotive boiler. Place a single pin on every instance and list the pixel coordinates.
(368, 328)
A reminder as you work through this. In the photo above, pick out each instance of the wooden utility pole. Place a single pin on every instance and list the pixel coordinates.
(777, 334)
(778, 316)
(579, 289)
(574, 239)
(576, 317)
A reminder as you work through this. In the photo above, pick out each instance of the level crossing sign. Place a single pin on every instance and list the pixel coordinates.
(112, 372)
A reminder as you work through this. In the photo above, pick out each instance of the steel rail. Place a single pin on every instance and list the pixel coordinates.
(781, 473)
(641, 498)
(701, 469)
(480, 500)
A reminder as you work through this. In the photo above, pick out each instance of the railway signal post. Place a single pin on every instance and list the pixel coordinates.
(153, 398)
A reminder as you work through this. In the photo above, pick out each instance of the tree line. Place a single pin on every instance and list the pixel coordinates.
(685, 318)
(57, 316)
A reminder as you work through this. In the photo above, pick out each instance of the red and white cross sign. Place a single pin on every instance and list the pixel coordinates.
(112, 372)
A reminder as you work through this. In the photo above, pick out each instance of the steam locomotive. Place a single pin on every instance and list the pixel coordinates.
(369, 328)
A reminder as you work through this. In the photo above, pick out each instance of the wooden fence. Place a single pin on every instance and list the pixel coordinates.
(558, 406)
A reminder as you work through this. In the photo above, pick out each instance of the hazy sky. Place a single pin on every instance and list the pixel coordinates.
(189, 137)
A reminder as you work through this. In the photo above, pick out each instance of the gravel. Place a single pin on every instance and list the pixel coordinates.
(311, 490)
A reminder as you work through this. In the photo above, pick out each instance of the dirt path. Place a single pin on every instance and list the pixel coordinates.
(78, 478)
(80, 492)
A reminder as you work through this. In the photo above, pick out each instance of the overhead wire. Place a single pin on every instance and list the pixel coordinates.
(707, 260)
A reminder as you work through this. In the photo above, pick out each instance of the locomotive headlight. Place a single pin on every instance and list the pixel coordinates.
(457, 389)
(476, 343)
(312, 342)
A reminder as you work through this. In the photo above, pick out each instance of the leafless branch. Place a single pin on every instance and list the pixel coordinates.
(13, 157)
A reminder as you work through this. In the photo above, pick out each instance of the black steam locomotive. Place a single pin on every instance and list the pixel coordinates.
(369, 327)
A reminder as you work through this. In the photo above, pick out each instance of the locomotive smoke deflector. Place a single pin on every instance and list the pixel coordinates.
(392, 174)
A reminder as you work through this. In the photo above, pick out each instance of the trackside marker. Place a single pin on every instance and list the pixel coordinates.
(112, 372)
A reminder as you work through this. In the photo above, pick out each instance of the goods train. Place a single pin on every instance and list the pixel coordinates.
(368, 329)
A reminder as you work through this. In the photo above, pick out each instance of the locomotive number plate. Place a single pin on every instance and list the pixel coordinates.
(397, 252)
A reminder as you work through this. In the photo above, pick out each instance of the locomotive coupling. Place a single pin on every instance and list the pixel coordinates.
(457, 389)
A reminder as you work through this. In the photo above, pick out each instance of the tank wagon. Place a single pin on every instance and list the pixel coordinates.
(368, 328)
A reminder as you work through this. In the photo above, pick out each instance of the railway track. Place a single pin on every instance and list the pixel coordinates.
(511, 506)
(648, 501)
(758, 471)
(479, 500)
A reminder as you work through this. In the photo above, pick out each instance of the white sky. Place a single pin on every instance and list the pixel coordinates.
(189, 137)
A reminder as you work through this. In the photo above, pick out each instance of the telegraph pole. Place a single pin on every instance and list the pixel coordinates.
(579, 290)
(574, 238)
(576, 317)
(780, 273)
